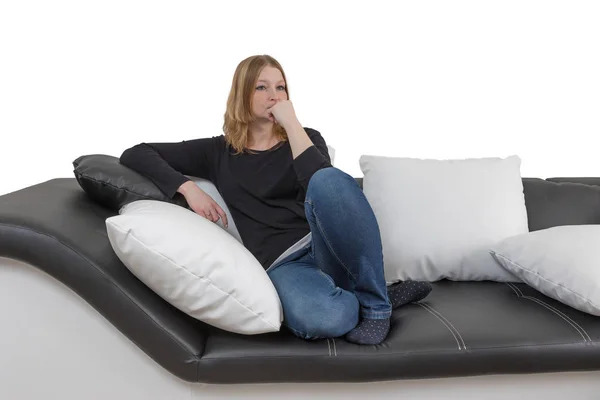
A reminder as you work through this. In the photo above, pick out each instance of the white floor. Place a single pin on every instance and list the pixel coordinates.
(55, 346)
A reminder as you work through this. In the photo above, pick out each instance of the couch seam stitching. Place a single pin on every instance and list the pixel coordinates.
(442, 321)
(472, 350)
(450, 323)
(555, 311)
(577, 327)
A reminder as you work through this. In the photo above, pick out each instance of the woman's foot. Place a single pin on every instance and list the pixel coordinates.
(405, 292)
(374, 331)
(369, 331)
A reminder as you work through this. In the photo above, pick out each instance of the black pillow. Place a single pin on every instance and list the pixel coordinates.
(112, 184)
(551, 203)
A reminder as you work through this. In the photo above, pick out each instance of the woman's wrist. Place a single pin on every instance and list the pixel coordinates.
(298, 138)
(185, 187)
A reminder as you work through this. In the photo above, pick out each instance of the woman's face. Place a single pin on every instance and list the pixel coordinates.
(269, 90)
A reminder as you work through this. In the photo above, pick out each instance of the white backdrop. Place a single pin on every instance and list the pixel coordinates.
(439, 79)
(435, 79)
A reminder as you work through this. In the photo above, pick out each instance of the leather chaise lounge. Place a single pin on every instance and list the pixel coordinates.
(462, 328)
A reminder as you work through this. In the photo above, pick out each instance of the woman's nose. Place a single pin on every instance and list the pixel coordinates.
(273, 95)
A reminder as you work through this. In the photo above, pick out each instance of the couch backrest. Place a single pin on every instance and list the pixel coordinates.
(584, 180)
(558, 201)
(561, 201)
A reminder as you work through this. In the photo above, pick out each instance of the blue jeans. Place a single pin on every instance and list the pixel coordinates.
(325, 288)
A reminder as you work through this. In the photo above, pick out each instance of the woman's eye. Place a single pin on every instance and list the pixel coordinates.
(262, 87)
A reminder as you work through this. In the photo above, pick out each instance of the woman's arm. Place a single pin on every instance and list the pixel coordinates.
(166, 164)
(309, 150)
(312, 159)
(299, 140)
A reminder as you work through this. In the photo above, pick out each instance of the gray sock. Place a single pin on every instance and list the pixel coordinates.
(405, 292)
(369, 331)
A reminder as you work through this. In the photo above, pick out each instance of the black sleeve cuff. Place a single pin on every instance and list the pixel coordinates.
(170, 188)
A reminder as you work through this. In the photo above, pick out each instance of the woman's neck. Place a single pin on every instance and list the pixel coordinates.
(261, 136)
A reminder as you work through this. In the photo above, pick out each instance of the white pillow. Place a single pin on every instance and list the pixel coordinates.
(331, 151)
(196, 266)
(438, 218)
(562, 262)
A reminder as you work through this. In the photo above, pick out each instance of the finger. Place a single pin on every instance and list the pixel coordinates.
(200, 212)
(214, 216)
(215, 213)
(208, 215)
(223, 216)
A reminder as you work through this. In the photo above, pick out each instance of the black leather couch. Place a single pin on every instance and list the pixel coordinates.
(460, 329)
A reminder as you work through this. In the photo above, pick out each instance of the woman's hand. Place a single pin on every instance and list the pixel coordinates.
(201, 203)
(283, 113)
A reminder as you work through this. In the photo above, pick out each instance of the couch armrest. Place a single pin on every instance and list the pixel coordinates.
(55, 227)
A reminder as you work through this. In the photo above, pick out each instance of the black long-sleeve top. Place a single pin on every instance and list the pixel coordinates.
(264, 191)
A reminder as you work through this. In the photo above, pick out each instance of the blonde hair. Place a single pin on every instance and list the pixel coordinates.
(238, 114)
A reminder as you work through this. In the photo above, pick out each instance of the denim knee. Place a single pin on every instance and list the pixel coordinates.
(328, 176)
(329, 181)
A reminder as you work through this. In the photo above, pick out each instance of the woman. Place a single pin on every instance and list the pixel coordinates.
(308, 223)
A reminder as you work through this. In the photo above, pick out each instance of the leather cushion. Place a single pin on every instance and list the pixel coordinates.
(460, 329)
(113, 185)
